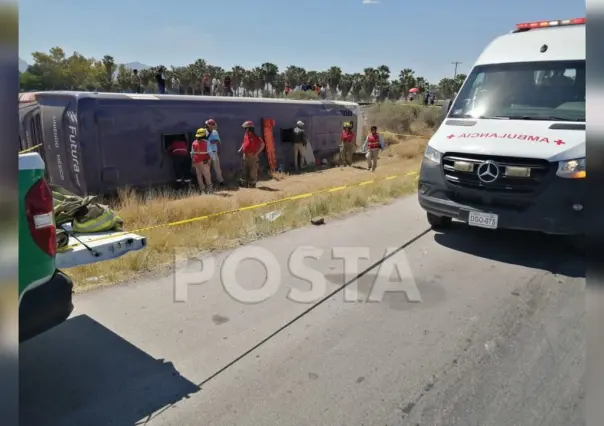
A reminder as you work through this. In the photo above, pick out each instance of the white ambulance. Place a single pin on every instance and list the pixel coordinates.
(510, 152)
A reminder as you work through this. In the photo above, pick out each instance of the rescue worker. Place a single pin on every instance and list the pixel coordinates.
(347, 145)
(374, 143)
(299, 145)
(201, 160)
(252, 146)
(214, 143)
(206, 88)
(179, 153)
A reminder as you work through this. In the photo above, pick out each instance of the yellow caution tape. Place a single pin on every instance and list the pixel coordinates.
(241, 209)
(30, 149)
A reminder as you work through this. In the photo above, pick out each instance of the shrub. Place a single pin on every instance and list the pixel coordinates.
(403, 118)
(303, 96)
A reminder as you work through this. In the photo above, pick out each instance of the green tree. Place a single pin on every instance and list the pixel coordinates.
(407, 80)
(268, 74)
(334, 78)
(54, 70)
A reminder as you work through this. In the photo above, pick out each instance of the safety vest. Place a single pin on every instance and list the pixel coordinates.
(347, 137)
(373, 141)
(199, 151)
(107, 220)
(84, 213)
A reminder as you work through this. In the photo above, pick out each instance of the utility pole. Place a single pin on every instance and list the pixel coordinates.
(456, 63)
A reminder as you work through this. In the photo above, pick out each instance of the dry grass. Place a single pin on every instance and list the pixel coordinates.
(228, 231)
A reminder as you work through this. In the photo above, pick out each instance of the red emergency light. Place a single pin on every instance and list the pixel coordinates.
(544, 24)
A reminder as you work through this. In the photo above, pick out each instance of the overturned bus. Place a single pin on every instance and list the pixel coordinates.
(96, 143)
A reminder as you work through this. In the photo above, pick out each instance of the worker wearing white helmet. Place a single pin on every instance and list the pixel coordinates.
(251, 147)
(300, 142)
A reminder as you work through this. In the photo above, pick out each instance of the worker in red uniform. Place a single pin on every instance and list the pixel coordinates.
(252, 146)
(202, 160)
(178, 151)
(348, 145)
(372, 146)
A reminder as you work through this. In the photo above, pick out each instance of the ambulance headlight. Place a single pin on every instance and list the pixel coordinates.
(432, 155)
(572, 169)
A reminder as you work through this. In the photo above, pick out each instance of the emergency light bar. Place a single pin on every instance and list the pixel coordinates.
(544, 24)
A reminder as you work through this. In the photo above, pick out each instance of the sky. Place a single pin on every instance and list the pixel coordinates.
(424, 35)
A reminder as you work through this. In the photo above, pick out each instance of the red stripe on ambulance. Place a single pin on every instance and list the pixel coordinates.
(519, 136)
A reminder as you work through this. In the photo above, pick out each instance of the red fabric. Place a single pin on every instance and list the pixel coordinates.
(178, 149)
(373, 141)
(267, 132)
(251, 144)
(347, 137)
(200, 146)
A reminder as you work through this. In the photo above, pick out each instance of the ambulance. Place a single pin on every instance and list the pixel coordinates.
(510, 152)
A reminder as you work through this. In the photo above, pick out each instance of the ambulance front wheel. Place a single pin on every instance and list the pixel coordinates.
(439, 222)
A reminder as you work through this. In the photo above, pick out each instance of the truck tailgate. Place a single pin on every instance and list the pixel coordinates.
(97, 247)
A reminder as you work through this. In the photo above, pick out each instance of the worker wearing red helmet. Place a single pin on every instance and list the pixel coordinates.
(213, 144)
(252, 146)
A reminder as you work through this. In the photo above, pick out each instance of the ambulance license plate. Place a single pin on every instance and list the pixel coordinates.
(483, 220)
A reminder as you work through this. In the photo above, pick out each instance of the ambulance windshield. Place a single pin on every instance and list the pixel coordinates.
(552, 91)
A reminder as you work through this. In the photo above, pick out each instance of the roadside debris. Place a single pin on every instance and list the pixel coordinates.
(272, 216)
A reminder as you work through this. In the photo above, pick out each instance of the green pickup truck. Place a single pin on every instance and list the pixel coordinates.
(45, 292)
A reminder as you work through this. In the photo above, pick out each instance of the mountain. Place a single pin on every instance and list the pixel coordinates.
(136, 66)
(23, 65)
(130, 65)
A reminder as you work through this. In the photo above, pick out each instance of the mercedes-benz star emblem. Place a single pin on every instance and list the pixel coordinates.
(488, 172)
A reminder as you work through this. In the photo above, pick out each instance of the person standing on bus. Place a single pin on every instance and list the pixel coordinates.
(161, 80)
(201, 160)
(227, 86)
(347, 145)
(213, 148)
(252, 146)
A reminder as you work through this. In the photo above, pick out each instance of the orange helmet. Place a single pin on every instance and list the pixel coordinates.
(248, 124)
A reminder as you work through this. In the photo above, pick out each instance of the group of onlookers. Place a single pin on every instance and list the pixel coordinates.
(319, 89)
(207, 86)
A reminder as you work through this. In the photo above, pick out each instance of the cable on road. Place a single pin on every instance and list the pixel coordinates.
(301, 315)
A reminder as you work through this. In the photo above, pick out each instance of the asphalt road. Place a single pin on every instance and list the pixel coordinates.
(497, 339)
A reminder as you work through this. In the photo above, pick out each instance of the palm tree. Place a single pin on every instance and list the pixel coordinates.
(345, 85)
(54, 70)
(237, 73)
(268, 74)
(370, 80)
(357, 86)
(407, 80)
(295, 75)
(334, 77)
(421, 84)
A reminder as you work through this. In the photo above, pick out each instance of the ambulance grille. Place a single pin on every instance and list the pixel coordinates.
(538, 172)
